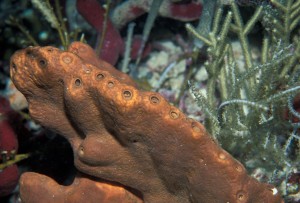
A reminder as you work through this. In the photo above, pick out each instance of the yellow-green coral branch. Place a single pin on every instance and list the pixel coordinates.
(103, 33)
(128, 43)
(279, 5)
(225, 27)
(250, 24)
(237, 16)
(18, 157)
(242, 37)
(62, 24)
(194, 32)
(216, 22)
(15, 22)
(294, 23)
(265, 50)
(152, 14)
(223, 84)
(295, 12)
(287, 20)
(296, 5)
(56, 24)
(45, 8)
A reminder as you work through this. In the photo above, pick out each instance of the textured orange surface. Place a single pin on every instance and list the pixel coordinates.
(121, 134)
(37, 188)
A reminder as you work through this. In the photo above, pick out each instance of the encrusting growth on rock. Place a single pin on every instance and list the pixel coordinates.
(124, 135)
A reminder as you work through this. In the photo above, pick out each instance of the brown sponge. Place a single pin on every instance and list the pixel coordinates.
(122, 134)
